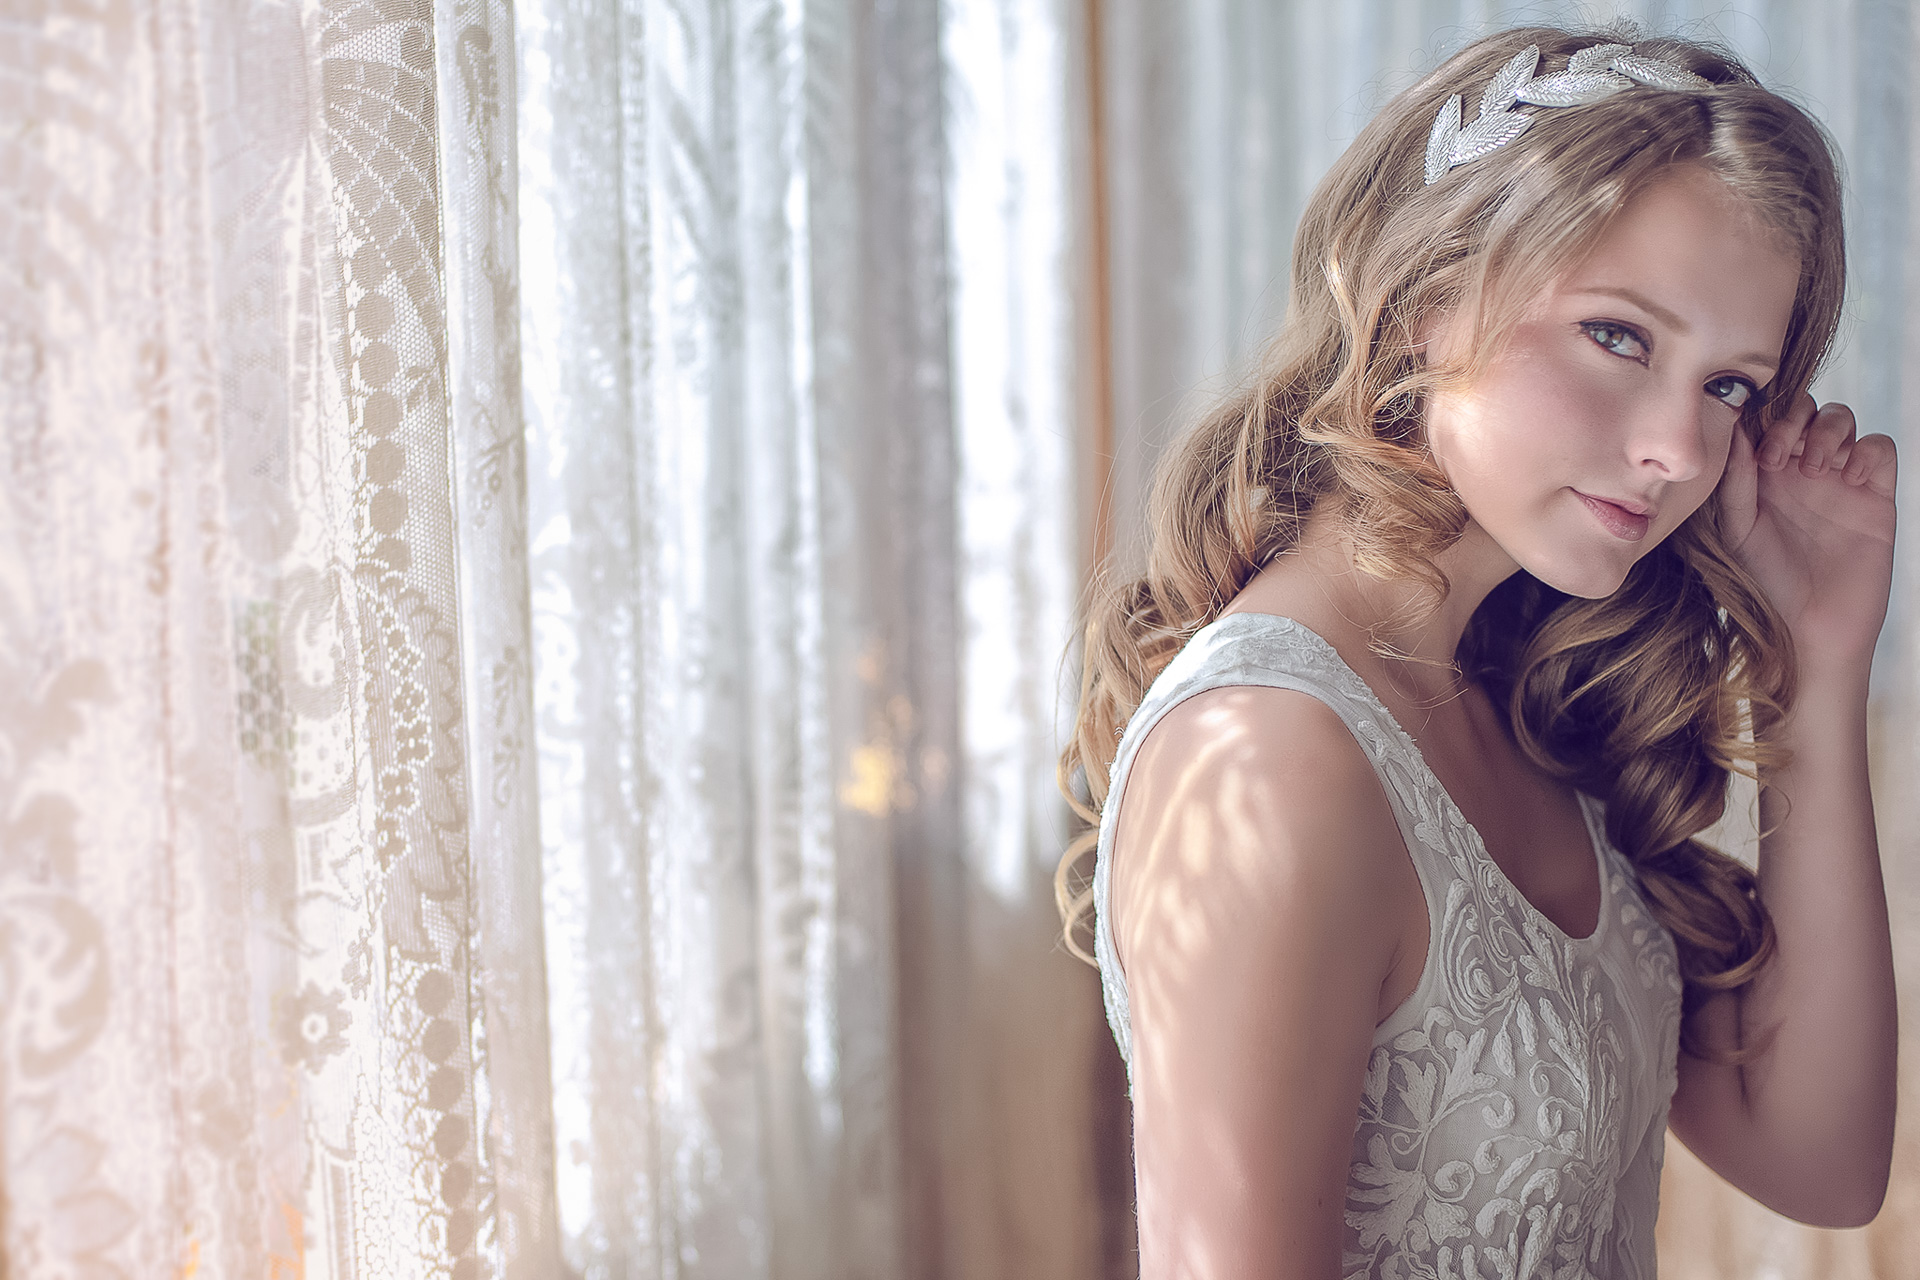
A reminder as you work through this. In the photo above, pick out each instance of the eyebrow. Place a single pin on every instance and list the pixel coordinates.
(1672, 321)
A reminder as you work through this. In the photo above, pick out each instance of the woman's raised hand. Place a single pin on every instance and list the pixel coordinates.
(1810, 514)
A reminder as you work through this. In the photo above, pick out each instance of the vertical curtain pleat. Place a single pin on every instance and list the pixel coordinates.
(1021, 1197)
(576, 111)
(505, 970)
(797, 933)
(860, 1048)
(409, 1105)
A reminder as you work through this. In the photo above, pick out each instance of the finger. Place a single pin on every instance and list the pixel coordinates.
(1859, 463)
(1781, 439)
(1874, 461)
(1828, 434)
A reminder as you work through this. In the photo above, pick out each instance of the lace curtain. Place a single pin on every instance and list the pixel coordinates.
(796, 338)
(534, 574)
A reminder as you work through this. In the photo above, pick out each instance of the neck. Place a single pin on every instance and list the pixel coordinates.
(1396, 617)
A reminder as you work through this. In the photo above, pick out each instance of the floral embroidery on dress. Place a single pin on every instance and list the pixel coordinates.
(1513, 1113)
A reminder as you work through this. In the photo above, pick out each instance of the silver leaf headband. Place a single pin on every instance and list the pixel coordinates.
(1595, 72)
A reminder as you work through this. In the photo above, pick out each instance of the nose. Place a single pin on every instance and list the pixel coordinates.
(1670, 438)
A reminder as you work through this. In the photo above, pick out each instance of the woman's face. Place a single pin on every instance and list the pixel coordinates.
(1608, 419)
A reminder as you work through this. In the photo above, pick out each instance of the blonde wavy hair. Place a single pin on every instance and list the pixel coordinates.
(1639, 699)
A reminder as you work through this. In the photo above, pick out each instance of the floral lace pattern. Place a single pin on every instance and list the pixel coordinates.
(1513, 1114)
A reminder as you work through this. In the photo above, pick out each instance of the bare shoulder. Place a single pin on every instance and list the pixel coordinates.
(1259, 903)
(1254, 806)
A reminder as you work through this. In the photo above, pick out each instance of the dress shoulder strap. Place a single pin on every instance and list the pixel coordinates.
(1275, 652)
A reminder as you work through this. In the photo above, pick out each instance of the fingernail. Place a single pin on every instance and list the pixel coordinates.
(1815, 462)
(1774, 455)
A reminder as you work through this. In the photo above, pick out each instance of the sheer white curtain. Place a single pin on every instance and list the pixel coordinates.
(536, 558)
(797, 347)
(535, 549)
(272, 996)
(1219, 117)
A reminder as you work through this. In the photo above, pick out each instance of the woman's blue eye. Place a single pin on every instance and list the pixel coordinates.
(1735, 392)
(1616, 338)
(1623, 341)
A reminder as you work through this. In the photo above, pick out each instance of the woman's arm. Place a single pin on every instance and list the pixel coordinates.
(1807, 1126)
(1260, 883)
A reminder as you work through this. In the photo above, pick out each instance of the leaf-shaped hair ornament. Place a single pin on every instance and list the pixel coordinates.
(1596, 72)
(1595, 57)
(1656, 74)
(1504, 88)
(1446, 127)
(1574, 88)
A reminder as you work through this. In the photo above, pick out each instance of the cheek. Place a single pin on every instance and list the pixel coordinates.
(1694, 494)
(1716, 445)
(1533, 424)
(1719, 453)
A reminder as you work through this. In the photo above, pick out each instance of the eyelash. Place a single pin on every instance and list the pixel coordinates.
(1754, 397)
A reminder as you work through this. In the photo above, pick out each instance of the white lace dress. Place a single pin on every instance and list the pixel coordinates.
(1514, 1111)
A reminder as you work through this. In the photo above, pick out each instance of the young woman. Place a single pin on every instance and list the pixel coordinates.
(1453, 626)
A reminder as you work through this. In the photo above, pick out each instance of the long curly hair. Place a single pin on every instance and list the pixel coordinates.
(1647, 699)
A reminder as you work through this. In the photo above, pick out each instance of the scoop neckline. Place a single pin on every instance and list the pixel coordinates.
(1476, 846)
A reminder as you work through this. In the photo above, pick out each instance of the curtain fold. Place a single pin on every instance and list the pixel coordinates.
(474, 64)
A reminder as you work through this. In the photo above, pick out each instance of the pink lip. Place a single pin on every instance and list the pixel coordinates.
(1619, 519)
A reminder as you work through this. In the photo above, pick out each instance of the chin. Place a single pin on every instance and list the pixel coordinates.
(1592, 581)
